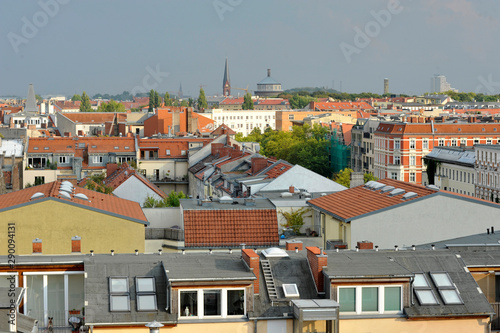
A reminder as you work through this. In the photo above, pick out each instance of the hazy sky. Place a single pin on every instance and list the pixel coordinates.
(109, 46)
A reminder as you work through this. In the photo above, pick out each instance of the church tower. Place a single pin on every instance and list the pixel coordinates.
(226, 85)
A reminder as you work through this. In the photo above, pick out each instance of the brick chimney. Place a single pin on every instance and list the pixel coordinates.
(317, 261)
(37, 245)
(252, 260)
(365, 245)
(76, 244)
(356, 179)
(292, 244)
(110, 168)
(291, 189)
(216, 147)
(258, 163)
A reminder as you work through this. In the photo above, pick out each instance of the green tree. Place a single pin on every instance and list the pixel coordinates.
(85, 104)
(38, 98)
(76, 97)
(157, 100)
(202, 100)
(167, 100)
(299, 102)
(343, 177)
(247, 102)
(151, 100)
(294, 219)
(172, 200)
(111, 106)
(190, 102)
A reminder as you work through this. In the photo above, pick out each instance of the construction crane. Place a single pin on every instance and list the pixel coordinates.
(244, 89)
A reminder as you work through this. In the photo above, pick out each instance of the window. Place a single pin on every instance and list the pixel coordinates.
(425, 144)
(413, 160)
(394, 175)
(454, 142)
(201, 303)
(476, 141)
(440, 142)
(145, 288)
(167, 152)
(97, 159)
(183, 152)
(463, 141)
(397, 144)
(412, 143)
(39, 180)
(290, 117)
(397, 160)
(63, 159)
(412, 177)
(488, 141)
(446, 288)
(423, 290)
(119, 297)
(370, 299)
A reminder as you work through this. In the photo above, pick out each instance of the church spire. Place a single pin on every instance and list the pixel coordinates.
(31, 100)
(226, 84)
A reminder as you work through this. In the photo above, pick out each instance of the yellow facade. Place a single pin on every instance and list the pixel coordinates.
(401, 325)
(55, 223)
(486, 281)
(237, 327)
(336, 230)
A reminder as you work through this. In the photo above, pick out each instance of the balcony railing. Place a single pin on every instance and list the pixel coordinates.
(165, 233)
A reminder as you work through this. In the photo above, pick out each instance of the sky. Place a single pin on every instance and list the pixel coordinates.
(65, 47)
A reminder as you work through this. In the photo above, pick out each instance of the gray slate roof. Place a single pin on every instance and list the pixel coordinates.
(353, 263)
(453, 155)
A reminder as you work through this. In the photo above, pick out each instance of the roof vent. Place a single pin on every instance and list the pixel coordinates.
(274, 252)
(67, 183)
(290, 290)
(377, 186)
(396, 192)
(64, 195)
(369, 184)
(81, 196)
(65, 189)
(433, 187)
(386, 189)
(286, 195)
(37, 195)
(410, 195)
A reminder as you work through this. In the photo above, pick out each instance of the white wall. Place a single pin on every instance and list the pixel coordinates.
(135, 190)
(163, 217)
(431, 219)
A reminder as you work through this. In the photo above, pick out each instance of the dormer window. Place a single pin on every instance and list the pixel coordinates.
(145, 289)
(370, 299)
(119, 297)
(423, 290)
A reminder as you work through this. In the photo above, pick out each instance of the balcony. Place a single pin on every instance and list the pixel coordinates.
(165, 233)
(168, 180)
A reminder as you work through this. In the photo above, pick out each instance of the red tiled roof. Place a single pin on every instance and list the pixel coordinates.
(340, 106)
(93, 144)
(440, 129)
(174, 145)
(346, 131)
(125, 172)
(210, 227)
(360, 200)
(94, 117)
(278, 169)
(232, 101)
(223, 129)
(104, 203)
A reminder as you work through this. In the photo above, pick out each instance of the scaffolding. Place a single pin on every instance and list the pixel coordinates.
(339, 154)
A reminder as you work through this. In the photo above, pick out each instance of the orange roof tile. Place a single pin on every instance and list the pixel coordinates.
(440, 129)
(105, 203)
(94, 117)
(210, 227)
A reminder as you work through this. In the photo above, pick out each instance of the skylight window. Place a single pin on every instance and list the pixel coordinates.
(446, 288)
(290, 290)
(423, 290)
(146, 293)
(119, 297)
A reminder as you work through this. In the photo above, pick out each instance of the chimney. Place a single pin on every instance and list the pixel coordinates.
(293, 244)
(317, 261)
(216, 147)
(291, 189)
(37, 245)
(365, 245)
(268, 72)
(76, 244)
(258, 164)
(357, 179)
(252, 260)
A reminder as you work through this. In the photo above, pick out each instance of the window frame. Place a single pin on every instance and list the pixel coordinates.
(427, 287)
(358, 299)
(118, 293)
(146, 293)
(200, 292)
(446, 288)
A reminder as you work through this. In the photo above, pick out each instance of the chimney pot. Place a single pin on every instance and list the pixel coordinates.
(159, 251)
(492, 230)
(433, 247)
(376, 248)
(413, 247)
(210, 251)
(230, 251)
(112, 252)
(136, 252)
(183, 251)
(92, 253)
(396, 247)
(488, 231)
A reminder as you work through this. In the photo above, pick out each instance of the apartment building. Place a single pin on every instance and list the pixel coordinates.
(362, 145)
(243, 121)
(487, 183)
(399, 147)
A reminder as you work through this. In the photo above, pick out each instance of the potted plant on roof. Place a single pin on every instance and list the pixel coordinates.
(74, 312)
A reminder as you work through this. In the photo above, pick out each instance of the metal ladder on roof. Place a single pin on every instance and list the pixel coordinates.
(269, 279)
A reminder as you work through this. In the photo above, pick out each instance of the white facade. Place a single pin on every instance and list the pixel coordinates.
(134, 189)
(433, 218)
(243, 121)
(487, 172)
(455, 178)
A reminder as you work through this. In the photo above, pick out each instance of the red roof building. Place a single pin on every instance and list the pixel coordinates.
(176, 120)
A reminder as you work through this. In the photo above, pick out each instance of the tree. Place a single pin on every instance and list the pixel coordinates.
(157, 100)
(172, 200)
(294, 219)
(190, 102)
(247, 102)
(111, 106)
(299, 102)
(38, 98)
(76, 98)
(151, 100)
(343, 177)
(202, 101)
(85, 104)
(166, 99)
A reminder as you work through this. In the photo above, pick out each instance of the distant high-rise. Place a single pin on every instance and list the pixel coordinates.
(181, 94)
(386, 86)
(226, 84)
(439, 84)
(31, 100)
